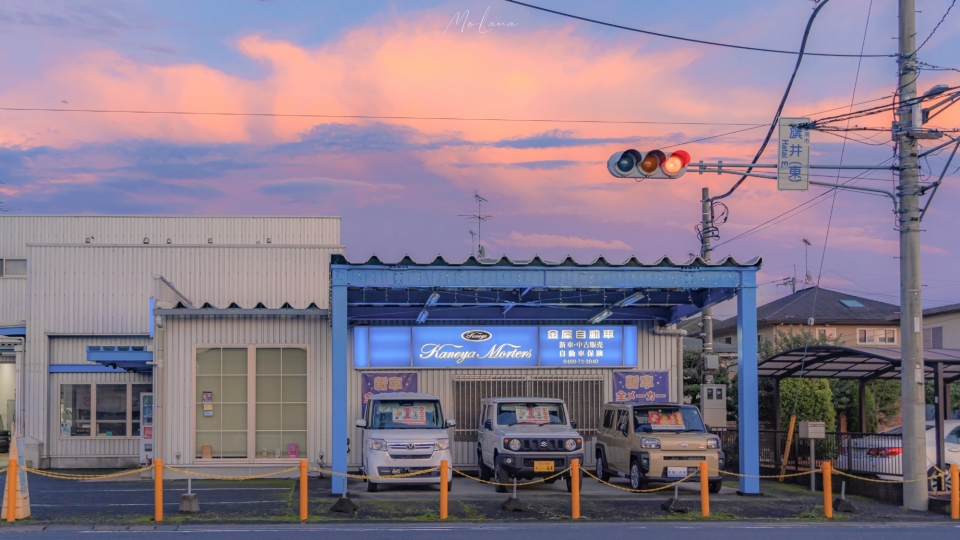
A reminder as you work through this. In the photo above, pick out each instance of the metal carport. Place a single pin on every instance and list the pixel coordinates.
(864, 364)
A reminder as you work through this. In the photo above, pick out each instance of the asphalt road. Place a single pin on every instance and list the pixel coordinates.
(565, 531)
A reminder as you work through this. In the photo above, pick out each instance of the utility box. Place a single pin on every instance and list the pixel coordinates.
(713, 404)
(711, 362)
(813, 430)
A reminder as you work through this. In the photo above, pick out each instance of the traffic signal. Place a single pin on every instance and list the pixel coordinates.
(652, 164)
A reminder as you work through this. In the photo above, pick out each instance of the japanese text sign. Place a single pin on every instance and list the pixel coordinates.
(793, 155)
(383, 383)
(641, 386)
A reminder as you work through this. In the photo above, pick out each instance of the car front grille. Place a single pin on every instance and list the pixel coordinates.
(542, 445)
(412, 456)
(411, 446)
(684, 458)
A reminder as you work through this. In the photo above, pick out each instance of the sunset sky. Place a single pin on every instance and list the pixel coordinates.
(400, 186)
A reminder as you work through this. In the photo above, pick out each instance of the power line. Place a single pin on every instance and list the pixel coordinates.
(371, 117)
(692, 40)
(934, 31)
(783, 101)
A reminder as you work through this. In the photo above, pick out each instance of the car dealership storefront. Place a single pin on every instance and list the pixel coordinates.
(584, 333)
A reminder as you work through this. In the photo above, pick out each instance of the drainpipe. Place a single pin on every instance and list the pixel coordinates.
(664, 331)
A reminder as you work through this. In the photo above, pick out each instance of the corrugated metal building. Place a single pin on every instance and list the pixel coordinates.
(259, 285)
(226, 321)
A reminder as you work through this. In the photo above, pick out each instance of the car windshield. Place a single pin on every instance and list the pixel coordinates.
(678, 419)
(397, 414)
(535, 413)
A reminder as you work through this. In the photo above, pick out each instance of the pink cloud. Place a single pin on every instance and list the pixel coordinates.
(544, 241)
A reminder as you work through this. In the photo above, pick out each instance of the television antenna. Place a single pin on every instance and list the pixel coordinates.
(479, 217)
(807, 279)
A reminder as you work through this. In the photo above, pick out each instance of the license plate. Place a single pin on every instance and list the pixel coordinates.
(676, 472)
(545, 466)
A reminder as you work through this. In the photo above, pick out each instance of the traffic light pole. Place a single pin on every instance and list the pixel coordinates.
(706, 315)
(915, 496)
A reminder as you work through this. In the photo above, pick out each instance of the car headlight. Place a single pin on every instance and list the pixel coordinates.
(515, 445)
(713, 443)
(441, 444)
(570, 445)
(378, 444)
(648, 442)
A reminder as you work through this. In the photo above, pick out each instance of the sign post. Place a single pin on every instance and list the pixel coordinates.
(793, 156)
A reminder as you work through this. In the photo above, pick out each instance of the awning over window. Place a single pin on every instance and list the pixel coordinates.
(136, 358)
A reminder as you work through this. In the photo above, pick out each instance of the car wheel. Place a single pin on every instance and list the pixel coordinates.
(372, 486)
(568, 480)
(601, 473)
(500, 477)
(933, 484)
(449, 486)
(636, 477)
(715, 486)
(482, 470)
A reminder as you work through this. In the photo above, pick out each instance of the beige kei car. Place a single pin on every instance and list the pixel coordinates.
(659, 442)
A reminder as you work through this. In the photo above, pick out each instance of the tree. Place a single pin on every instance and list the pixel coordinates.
(806, 396)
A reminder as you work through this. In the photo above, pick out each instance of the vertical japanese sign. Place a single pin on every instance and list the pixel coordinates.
(793, 163)
(641, 386)
(383, 383)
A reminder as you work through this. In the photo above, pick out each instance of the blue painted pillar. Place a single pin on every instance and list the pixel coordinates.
(747, 384)
(338, 314)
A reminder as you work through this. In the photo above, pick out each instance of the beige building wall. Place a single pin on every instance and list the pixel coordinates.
(949, 325)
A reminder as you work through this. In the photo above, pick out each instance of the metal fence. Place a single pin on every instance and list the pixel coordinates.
(855, 453)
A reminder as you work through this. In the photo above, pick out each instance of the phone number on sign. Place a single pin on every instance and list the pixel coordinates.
(582, 361)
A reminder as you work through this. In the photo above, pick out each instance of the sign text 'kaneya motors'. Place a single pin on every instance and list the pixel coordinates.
(495, 347)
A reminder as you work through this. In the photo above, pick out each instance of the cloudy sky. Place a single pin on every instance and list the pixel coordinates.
(401, 185)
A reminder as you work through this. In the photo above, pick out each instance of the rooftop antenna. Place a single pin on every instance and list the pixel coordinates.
(479, 217)
(807, 278)
(473, 237)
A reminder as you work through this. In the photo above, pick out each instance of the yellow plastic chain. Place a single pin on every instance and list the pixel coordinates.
(381, 476)
(518, 484)
(222, 477)
(879, 481)
(84, 477)
(766, 476)
(621, 488)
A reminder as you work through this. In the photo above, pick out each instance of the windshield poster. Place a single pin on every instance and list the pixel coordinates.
(384, 383)
(641, 386)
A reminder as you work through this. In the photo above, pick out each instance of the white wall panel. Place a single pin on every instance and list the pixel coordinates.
(73, 350)
(181, 335)
(13, 301)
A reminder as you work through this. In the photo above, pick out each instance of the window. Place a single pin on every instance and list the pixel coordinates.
(281, 402)
(953, 437)
(101, 410)
(829, 333)
(933, 338)
(622, 421)
(850, 303)
(728, 340)
(13, 267)
(883, 336)
(608, 419)
(221, 403)
(251, 403)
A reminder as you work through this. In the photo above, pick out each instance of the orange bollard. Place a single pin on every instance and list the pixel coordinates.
(12, 491)
(303, 490)
(575, 488)
(444, 468)
(954, 492)
(704, 489)
(827, 490)
(158, 490)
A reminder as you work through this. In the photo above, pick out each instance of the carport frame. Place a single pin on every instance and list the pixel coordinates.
(864, 364)
(357, 289)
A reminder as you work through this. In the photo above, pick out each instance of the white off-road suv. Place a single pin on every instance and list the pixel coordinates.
(526, 438)
(404, 433)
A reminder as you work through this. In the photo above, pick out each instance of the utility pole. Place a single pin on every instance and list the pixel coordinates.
(706, 229)
(915, 496)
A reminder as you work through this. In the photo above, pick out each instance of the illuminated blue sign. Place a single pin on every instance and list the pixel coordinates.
(471, 347)
(382, 347)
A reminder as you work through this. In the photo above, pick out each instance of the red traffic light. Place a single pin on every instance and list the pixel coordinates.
(676, 162)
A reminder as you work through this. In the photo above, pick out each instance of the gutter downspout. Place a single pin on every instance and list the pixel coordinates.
(663, 331)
